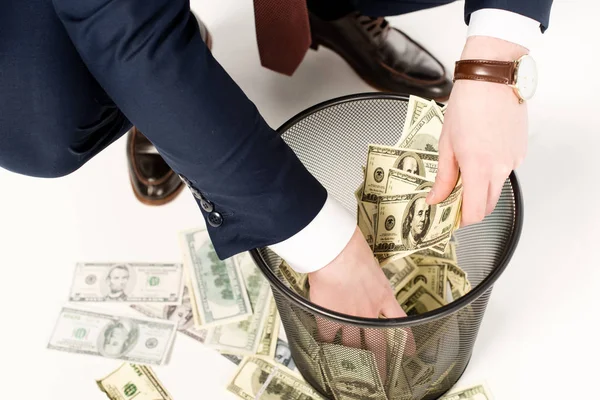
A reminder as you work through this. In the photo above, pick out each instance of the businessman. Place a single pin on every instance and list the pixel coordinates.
(77, 75)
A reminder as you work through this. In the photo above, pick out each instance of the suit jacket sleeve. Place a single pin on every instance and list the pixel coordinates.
(150, 58)
(538, 10)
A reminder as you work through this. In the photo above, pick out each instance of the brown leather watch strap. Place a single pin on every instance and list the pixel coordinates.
(485, 70)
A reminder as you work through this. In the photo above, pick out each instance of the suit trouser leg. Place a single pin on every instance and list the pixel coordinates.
(54, 116)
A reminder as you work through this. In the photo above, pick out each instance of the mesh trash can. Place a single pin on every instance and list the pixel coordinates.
(377, 360)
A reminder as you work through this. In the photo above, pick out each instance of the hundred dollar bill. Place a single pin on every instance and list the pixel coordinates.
(217, 285)
(363, 220)
(458, 279)
(401, 182)
(181, 314)
(268, 339)
(381, 158)
(478, 392)
(407, 223)
(426, 254)
(127, 282)
(399, 271)
(131, 381)
(419, 300)
(434, 278)
(425, 133)
(352, 373)
(397, 382)
(243, 337)
(137, 340)
(416, 105)
(297, 281)
(283, 355)
(260, 378)
(441, 382)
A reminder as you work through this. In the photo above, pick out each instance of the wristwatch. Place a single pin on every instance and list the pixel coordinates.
(519, 74)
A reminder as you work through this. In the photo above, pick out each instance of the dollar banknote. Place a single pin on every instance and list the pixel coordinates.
(477, 392)
(401, 182)
(381, 158)
(415, 107)
(217, 285)
(297, 281)
(426, 254)
(458, 280)
(399, 271)
(137, 340)
(127, 282)
(261, 378)
(182, 315)
(132, 381)
(352, 373)
(425, 133)
(269, 336)
(283, 355)
(364, 221)
(243, 337)
(396, 382)
(434, 277)
(419, 300)
(407, 223)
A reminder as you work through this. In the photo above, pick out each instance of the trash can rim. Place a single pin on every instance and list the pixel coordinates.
(441, 312)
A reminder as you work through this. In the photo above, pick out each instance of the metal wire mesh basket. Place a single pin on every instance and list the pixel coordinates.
(331, 140)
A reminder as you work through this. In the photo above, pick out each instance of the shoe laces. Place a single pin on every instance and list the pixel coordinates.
(374, 26)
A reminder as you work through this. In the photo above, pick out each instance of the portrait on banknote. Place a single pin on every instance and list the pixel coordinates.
(416, 221)
(118, 337)
(181, 314)
(410, 162)
(117, 282)
(283, 354)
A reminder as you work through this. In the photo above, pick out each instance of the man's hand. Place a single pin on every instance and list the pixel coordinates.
(354, 284)
(484, 134)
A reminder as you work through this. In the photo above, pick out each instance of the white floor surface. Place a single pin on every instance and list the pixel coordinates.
(538, 339)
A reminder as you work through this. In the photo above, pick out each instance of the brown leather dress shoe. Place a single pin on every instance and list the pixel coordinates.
(383, 56)
(153, 181)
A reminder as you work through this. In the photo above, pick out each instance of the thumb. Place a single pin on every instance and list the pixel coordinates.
(447, 173)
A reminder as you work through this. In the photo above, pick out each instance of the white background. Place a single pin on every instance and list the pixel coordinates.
(539, 336)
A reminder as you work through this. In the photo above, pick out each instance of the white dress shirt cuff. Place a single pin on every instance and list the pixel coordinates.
(320, 241)
(505, 25)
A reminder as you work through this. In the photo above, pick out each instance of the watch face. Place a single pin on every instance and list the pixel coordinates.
(526, 77)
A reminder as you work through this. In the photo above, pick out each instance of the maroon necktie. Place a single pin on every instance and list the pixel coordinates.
(282, 33)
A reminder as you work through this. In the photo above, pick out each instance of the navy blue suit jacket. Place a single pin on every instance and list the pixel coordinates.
(76, 74)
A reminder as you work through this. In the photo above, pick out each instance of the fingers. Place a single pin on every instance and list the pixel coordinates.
(495, 190)
(327, 329)
(475, 193)
(447, 174)
(376, 343)
(391, 308)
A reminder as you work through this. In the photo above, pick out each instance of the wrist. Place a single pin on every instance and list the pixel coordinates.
(490, 48)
